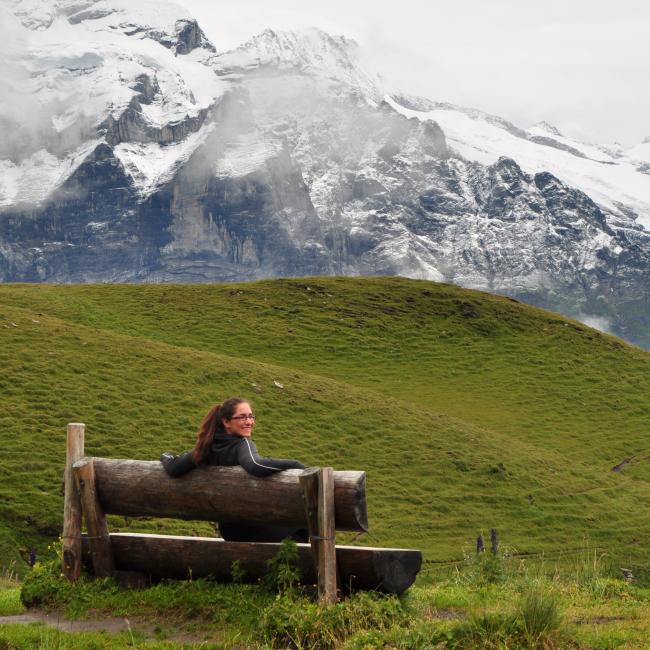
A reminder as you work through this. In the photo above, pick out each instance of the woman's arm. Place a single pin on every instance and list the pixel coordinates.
(251, 461)
(177, 465)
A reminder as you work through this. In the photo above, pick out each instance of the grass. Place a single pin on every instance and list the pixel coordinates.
(10, 602)
(467, 410)
(522, 605)
(39, 637)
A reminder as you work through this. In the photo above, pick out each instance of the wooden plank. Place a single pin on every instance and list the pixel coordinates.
(100, 545)
(309, 482)
(142, 488)
(326, 538)
(71, 557)
(162, 556)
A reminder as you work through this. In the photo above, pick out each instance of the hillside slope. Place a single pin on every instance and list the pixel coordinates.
(467, 410)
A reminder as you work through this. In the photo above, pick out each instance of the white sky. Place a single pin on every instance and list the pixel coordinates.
(582, 65)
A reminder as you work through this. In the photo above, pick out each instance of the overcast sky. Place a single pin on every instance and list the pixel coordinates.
(582, 65)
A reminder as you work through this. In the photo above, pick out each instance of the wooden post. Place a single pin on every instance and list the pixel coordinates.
(98, 537)
(494, 540)
(326, 538)
(309, 481)
(72, 504)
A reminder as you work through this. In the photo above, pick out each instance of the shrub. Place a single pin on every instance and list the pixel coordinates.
(283, 575)
(237, 572)
(483, 569)
(43, 586)
(299, 623)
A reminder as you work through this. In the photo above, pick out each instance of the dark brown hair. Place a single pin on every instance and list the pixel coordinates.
(213, 423)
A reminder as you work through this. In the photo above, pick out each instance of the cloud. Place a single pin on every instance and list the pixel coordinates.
(565, 62)
(597, 322)
(21, 119)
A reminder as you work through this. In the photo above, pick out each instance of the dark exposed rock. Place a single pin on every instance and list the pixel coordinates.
(146, 88)
(131, 126)
(190, 36)
(550, 142)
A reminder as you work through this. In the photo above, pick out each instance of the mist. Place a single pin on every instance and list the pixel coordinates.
(31, 120)
(580, 66)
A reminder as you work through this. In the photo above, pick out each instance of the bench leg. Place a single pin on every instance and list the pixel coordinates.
(318, 494)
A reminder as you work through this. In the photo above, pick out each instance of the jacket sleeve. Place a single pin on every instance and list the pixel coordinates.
(251, 461)
(178, 465)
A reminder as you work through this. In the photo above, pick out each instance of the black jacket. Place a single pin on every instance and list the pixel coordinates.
(227, 449)
(234, 450)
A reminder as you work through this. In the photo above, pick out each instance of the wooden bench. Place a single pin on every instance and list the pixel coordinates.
(320, 499)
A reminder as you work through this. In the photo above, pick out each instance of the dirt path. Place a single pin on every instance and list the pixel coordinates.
(112, 625)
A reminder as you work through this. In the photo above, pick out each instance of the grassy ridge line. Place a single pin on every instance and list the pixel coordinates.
(436, 492)
(475, 447)
(481, 358)
(496, 439)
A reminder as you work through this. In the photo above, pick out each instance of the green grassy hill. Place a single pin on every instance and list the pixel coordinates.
(467, 410)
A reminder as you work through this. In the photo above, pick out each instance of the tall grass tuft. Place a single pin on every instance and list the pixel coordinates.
(589, 566)
(540, 617)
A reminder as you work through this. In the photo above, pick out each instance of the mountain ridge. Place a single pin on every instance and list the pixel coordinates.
(284, 156)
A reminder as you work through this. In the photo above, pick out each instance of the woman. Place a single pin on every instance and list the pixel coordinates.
(224, 438)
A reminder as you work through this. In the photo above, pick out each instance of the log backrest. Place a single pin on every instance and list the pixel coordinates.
(142, 488)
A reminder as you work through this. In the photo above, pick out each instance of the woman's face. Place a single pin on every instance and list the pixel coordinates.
(242, 422)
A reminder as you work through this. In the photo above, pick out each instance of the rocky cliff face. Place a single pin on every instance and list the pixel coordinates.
(285, 157)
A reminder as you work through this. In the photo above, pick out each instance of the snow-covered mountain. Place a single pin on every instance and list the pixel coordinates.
(616, 179)
(133, 150)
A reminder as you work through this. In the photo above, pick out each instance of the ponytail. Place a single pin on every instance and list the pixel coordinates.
(213, 423)
(205, 434)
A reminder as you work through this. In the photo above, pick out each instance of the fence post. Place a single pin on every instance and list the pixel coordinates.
(327, 535)
(494, 540)
(98, 537)
(310, 488)
(72, 504)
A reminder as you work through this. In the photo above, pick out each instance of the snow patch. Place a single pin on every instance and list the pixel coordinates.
(32, 181)
(607, 180)
(246, 154)
(150, 165)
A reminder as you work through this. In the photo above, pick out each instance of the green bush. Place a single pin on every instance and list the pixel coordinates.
(484, 569)
(297, 622)
(484, 631)
(44, 586)
(283, 575)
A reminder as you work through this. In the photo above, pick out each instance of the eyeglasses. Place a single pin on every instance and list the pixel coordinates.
(241, 418)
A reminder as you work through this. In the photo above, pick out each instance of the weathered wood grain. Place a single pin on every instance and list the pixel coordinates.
(71, 546)
(161, 556)
(142, 488)
(326, 538)
(96, 526)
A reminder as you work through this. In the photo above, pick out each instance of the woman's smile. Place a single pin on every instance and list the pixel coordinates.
(242, 421)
